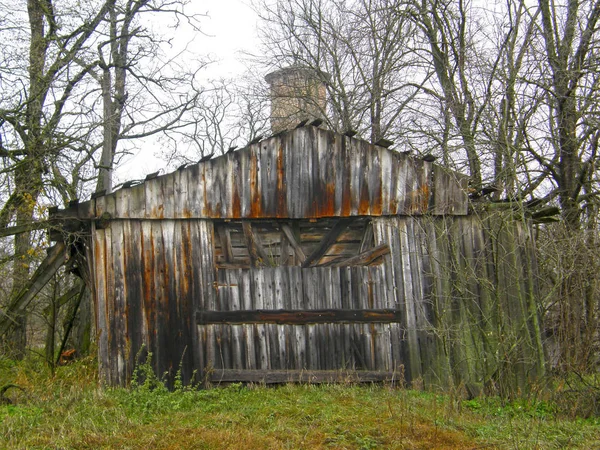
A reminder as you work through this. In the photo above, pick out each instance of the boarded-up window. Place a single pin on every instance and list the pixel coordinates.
(307, 243)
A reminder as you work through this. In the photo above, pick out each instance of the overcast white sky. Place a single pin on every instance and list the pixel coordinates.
(230, 28)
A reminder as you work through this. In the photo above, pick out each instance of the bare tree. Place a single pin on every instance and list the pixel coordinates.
(507, 91)
(79, 56)
(570, 48)
(229, 114)
(357, 47)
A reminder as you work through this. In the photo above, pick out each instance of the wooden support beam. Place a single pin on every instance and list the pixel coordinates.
(11, 231)
(284, 254)
(367, 238)
(328, 241)
(300, 376)
(365, 258)
(255, 249)
(57, 256)
(289, 234)
(297, 317)
(225, 238)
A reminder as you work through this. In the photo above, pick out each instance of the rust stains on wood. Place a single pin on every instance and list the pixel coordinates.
(304, 173)
(281, 210)
(255, 187)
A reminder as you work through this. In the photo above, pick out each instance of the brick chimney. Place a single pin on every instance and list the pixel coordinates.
(297, 93)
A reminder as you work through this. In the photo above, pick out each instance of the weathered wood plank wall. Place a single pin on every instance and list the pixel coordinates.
(150, 278)
(468, 289)
(461, 288)
(360, 346)
(304, 173)
(464, 288)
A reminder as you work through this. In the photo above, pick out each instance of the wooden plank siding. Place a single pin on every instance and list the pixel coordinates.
(304, 173)
(279, 226)
(331, 344)
(460, 291)
(150, 279)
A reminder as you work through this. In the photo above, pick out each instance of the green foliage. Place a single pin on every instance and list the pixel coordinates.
(523, 408)
(70, 410)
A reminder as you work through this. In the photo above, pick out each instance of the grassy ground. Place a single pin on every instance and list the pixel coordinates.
(69, 410)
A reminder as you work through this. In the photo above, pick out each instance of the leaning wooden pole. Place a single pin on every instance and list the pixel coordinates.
(57, 256)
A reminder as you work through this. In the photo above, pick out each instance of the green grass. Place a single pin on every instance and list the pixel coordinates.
(70, 410)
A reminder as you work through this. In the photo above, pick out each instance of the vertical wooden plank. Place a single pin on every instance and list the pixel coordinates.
(402, 275)
(295, 301)
(155, 202)
(177, 317)
(280, 294)
(122, 203)
(383, 233)
(196, 189)
(292, 161)
(336, 354)
(180, 208)
(423, 308)
(345, 302)
(243, 158)
(462, 350)
(186, 312)
(111, 341)
(206, 246)
(386, 182)
(306, 174)
(271, 340)
(439, 372)
(247, 302)
(308, 288)
(401, 179)
(148, 287)
(135, 321)
(226, 165)
(203, 238)
(212, 191)
(160, 292)
(102, 265)
(233, 281)
(409, 187)
(375, 181)
(258, 295)
(254, 181)
(325, 329)
(189, 292)
(194, 285)
(115, 302)
(426, 185)
(345, 178)
(267, 154)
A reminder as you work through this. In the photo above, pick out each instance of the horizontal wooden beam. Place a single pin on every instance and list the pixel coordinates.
(299, 317)
(11, 231)
(300, 376)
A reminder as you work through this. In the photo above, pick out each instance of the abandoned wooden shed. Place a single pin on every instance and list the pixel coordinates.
(306, 256)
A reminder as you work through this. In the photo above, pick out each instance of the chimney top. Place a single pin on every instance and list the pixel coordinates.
(297, 93)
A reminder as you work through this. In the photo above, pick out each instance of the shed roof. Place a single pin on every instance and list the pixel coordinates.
(307, 172)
